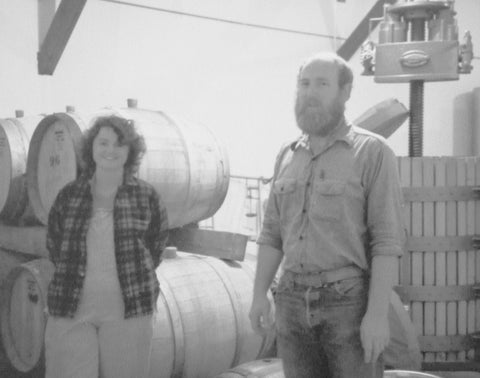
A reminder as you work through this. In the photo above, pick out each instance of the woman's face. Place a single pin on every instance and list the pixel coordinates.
(107, 153)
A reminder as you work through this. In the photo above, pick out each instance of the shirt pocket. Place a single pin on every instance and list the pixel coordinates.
(284, 186)
(285, 190)
(328, 199)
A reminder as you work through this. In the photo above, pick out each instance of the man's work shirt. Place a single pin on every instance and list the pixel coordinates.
(337, 208)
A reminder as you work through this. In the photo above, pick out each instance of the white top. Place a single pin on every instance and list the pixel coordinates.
(101, 295)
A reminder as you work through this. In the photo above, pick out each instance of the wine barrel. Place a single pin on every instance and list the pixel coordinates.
(15, 134)
(184, 161)
(265, 368)
(53, 159)
(201, 325)
(23, 313)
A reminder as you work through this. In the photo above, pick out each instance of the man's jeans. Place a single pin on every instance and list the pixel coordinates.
(318, 330)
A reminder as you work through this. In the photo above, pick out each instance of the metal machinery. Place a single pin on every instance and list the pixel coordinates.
(417, 42)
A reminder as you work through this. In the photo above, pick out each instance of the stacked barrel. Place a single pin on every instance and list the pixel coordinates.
(189, 167)
(184, 161)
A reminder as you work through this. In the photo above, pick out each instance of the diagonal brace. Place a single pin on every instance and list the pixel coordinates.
(58, 34)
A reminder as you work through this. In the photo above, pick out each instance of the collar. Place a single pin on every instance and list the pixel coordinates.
(343, 132)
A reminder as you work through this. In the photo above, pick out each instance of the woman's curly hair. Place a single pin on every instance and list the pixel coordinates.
(127, 135)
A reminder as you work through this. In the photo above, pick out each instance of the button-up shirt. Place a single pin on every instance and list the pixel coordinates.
(339, 207)
(140, 235)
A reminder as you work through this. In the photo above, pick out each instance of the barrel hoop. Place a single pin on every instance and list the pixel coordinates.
(442, 243)
(188, 158)
(451, 343)
(178, 330)
(440, 193)
(430, 293)
(20, 125)
(236, 304)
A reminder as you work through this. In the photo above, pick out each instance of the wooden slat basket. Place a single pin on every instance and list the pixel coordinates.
(440, 272)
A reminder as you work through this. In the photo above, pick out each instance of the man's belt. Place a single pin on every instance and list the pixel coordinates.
(326, 277)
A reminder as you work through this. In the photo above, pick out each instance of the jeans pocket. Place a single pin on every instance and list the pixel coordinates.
(328, 199)
(351, 287)
(285, 285)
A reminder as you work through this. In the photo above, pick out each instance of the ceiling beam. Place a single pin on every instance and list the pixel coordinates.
(58, 34)
(360, 33)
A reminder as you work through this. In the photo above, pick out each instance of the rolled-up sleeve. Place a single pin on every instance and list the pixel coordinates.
(385, 215)
(270, 233)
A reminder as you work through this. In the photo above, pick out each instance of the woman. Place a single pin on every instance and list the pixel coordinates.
(106, 233)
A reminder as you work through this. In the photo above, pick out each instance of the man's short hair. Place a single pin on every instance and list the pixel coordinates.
(345, 73)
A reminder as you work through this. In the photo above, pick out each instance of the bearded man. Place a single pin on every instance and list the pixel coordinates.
(334, 219)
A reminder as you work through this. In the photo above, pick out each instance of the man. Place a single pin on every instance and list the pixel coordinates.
(334, 217)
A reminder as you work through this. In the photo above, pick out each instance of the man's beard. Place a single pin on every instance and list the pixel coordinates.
(315, 119)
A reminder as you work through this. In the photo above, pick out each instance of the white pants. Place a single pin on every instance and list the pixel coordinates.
(113, 349)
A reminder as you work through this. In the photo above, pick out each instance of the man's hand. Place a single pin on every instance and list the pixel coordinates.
(261, 315)
(375, 336)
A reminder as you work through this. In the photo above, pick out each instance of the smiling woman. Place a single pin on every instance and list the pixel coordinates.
(108, 153)
(106, 233)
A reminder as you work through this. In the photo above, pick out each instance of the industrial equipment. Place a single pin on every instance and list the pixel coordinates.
(417, 42)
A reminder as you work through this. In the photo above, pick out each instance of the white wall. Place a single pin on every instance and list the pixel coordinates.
(237, 80)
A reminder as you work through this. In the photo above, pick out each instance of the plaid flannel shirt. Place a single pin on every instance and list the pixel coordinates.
(140, 236)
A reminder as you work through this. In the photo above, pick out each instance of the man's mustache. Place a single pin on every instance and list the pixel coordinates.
(311, 104)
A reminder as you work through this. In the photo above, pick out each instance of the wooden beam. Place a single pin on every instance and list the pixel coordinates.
(46, 12)
(360, 33)
(221, 244)
(58, 34)
(28, 240)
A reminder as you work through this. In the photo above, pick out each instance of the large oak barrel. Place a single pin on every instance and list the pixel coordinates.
(53, 159)
(201, 325)
(15, 134)
(23, 313)
(185, 162)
